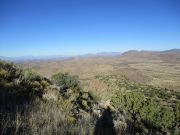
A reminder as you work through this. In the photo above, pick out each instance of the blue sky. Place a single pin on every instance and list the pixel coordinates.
(72, 27)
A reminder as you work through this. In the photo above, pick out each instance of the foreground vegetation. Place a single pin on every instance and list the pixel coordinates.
(32, 104)
(152, 109)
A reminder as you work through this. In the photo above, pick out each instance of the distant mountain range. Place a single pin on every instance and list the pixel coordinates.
(58, 57)
(167, 54)
(173, 51)
(144, 51)
(171, 56)
(31, 58)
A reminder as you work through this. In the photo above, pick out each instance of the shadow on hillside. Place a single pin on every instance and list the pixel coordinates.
(105, 125)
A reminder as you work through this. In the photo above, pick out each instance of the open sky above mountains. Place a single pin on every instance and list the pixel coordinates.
(74, 27)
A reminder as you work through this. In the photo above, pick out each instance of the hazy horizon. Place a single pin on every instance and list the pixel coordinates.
(83, 54)
(38, 27)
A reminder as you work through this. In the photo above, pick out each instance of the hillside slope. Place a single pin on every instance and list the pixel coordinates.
(32, 104)
(154, 68)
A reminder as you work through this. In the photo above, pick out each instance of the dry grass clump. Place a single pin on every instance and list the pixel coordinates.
(47, 118)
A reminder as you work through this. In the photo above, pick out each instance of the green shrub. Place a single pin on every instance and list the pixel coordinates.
(95, 97)
(65, 81)
(147, 104)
